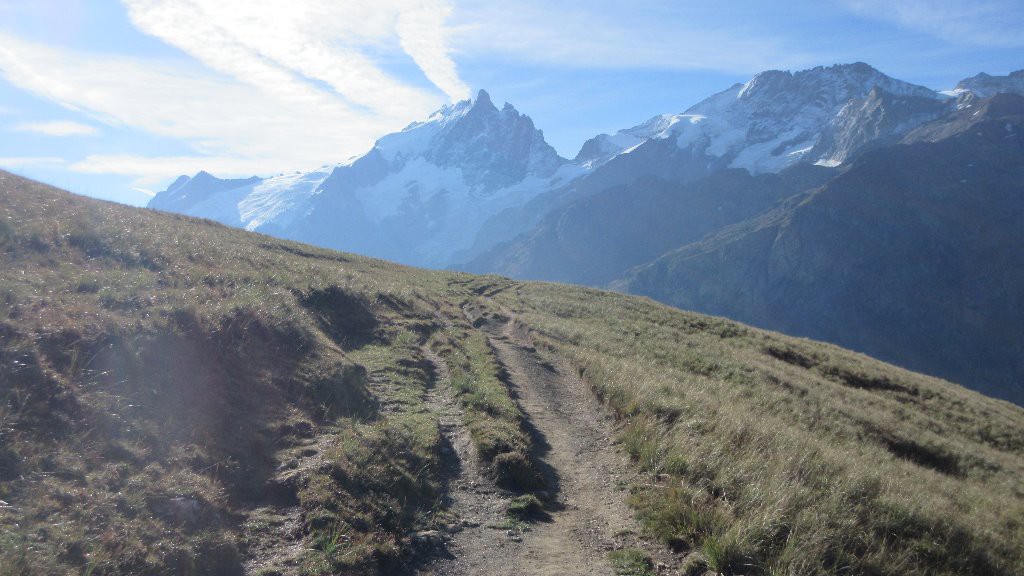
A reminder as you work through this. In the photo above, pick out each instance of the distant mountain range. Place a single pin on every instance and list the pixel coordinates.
(837, 203)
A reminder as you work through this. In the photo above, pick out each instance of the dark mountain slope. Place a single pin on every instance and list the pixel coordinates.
(913, 255)
(594, 240)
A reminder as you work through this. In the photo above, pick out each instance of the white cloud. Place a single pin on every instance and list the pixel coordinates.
(277, 44)
(423, 36)
(637, 35)
(57, 128)
(997, 23)
(242, 129)
(279, 84)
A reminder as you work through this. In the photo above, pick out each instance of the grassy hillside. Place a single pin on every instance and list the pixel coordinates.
(180, 397)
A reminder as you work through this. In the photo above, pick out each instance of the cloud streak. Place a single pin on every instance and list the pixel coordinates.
(277, 45)
(57, 128)
(423, 35)
(274, 86)
(248, 130)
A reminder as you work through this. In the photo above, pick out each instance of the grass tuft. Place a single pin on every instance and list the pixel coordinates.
(631, 562)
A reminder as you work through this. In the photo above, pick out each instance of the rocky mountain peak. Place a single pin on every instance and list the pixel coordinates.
(827, 85)
(986, 85)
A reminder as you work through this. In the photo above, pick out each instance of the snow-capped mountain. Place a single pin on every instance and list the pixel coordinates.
(250, 203)
(418, 196)
(773, 121)
(472, 176)
(985, 86)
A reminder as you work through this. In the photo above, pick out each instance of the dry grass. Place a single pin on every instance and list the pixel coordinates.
(776, 455)
(158, 373)
(162, 377)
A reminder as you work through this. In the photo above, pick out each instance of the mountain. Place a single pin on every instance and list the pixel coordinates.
(773, 121)
(595, 240)
(418, 196)
(181, 397)
(985, 86)
(251, 203)
(911, 255)
(448, 189)
(675, 178)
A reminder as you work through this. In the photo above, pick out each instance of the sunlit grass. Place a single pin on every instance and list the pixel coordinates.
(789, 456)
(161, 376)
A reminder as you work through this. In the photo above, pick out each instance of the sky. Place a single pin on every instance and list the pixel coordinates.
(114, 99)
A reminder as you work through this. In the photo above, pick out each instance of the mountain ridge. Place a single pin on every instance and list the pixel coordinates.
(505, 163)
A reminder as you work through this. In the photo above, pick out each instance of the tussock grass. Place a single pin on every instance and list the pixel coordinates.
(631, 562)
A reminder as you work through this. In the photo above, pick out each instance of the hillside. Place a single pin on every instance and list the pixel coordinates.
(177, 396)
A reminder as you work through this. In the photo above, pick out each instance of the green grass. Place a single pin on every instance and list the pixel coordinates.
(525, 507)
(494, 419)
(631, 562)
(163, 377)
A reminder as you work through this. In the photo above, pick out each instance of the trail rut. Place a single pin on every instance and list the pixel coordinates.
(586, 475)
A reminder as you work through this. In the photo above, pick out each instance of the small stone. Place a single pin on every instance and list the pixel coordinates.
(428, 538)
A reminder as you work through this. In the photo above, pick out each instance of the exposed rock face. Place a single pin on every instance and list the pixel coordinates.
(985, 86)
(877, 120)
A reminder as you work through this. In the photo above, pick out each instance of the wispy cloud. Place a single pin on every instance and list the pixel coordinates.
(424, 36)
(992, 23)
(277, 44)
(57, 128)
(239, 128)
(275, 85)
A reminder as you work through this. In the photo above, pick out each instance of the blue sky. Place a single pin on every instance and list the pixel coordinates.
(114, 99)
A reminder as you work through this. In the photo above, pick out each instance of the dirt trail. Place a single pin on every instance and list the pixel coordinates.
(586, 475)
